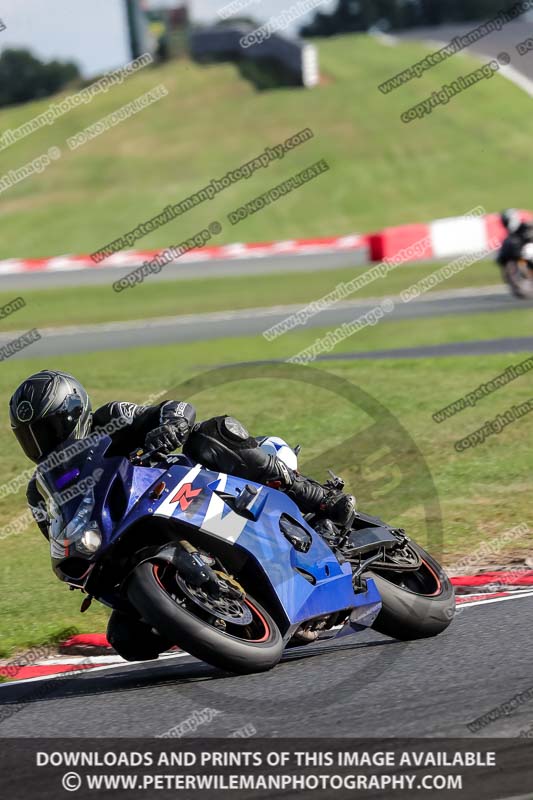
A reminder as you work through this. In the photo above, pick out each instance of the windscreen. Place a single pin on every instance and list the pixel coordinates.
(68, 478)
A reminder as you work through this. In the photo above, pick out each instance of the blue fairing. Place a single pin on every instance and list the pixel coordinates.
(307, 584)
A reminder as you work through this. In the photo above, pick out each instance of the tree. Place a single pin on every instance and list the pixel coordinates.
(23, 77)
(362, 15)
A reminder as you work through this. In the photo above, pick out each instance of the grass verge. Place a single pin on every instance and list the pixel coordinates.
(482, 492)
(382, 171)
(95, 304)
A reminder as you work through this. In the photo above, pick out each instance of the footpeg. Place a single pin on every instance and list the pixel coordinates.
(304, 636)
(328, 530)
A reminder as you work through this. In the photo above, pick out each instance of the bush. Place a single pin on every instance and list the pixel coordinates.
(23, 77)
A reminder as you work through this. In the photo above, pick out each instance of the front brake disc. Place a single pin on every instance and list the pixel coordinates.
(228, 609)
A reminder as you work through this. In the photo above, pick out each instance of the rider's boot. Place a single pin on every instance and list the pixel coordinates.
(309, 495)
(222, 443)
(133, 639)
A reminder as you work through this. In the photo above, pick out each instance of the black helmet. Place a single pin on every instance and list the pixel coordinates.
(510, 219)
(47, 410)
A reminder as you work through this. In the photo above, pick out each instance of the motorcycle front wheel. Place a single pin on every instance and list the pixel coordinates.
(240, 638)
(519, 278)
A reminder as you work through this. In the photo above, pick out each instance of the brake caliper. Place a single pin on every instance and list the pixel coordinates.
(232, 582)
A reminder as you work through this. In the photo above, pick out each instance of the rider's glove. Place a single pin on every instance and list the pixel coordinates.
(167, 437)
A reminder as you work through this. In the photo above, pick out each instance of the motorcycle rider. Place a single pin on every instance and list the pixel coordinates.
(52, 408)
(519, 234)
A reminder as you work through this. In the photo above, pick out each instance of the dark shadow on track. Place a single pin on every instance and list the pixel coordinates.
(152, 674)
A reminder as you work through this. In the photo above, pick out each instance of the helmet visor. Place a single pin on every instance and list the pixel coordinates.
(40, 438)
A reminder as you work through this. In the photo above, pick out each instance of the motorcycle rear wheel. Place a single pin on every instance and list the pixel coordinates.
(417, 604)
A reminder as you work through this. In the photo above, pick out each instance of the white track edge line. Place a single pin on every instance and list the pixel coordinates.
(253, 313)
(75, 673)
(168, 656)
(514, 596)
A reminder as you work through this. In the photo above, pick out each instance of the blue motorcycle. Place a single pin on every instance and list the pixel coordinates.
(228, 570)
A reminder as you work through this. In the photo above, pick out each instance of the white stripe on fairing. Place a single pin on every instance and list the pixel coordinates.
(228, 527)
(166, 508)
(218, 520)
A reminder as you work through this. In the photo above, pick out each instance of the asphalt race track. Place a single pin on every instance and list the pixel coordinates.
(364, 686)
(251, 322)
(504, 40)
(196, 269)
(368, 686)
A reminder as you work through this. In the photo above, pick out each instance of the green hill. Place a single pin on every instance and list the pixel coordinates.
(382, 171)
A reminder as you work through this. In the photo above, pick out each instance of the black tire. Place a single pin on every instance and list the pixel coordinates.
(407, 614)
(133, 639)
(519, 285)
(195, 635)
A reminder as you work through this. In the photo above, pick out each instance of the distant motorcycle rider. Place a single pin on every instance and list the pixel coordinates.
(51, 408)
(519, 234)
